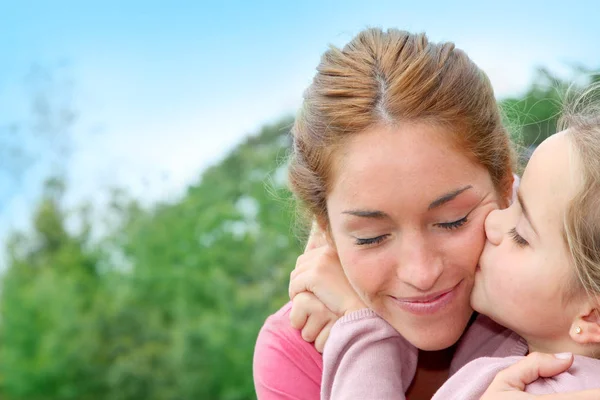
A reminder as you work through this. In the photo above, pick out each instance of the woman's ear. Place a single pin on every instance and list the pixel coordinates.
(511, 189)
(586, 327)
(320, 235)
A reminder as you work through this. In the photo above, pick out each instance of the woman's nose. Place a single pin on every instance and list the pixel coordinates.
(493, 227)
(417, 266)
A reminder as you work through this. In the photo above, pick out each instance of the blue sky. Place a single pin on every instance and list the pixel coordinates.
(164, 89)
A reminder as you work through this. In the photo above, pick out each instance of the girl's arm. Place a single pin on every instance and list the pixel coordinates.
(511, 383)
(366, 358)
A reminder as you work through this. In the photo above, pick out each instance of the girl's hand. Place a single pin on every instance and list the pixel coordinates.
(510, 383)
(309, 312)
(319, 272)
(311, 316)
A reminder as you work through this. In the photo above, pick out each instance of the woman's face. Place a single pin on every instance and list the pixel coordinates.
(406, 212)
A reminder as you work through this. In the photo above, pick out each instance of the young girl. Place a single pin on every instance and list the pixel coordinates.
(539, 275)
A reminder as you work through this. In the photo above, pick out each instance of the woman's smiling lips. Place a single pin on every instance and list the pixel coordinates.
(428, 304)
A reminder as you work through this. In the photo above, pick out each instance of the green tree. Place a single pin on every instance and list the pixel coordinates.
(47, 347)
(534, 115)
(215, 263)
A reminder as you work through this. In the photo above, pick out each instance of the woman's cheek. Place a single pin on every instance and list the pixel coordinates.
(367, 270)
(477, 233)
(463, 249)
(474, 244)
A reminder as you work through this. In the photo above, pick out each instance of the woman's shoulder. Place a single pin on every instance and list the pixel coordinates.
(281, 318)
(277, 330)
(285, 366)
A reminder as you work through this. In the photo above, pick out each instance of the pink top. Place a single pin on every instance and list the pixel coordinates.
(286, 367)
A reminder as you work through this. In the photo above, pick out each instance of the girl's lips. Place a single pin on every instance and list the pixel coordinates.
(429, 304)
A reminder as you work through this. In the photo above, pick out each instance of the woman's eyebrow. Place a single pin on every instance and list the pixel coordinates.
(443, 199)
(376, 214)
(367, 214)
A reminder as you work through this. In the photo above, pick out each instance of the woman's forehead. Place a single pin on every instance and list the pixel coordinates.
(386, 176)
(414, 155)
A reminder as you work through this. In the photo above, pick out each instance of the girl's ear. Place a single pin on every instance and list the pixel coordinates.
(586, 327)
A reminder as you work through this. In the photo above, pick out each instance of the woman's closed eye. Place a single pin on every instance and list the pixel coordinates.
(518, 239)
(452, 225)
(370, 241)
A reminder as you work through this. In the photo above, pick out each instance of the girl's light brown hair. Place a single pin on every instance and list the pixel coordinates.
(394, 77)
(581, 119)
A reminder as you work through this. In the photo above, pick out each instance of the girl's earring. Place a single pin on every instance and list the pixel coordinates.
(578, 330)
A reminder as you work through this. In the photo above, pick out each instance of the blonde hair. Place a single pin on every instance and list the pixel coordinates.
(394, 77)
(581, 119)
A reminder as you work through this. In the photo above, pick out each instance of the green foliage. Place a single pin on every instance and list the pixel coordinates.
(47, 298)
(169, 305)
(533, 116)
(536, 113)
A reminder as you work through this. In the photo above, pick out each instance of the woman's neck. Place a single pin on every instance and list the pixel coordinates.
(433, 360)
(432, 371)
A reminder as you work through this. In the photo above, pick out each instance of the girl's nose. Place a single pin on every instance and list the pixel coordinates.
(493, 227)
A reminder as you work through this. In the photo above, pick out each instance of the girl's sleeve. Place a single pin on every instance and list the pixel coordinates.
(366, 358)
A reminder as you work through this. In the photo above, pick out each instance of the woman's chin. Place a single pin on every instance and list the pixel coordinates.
(436, 342)
(435, 336)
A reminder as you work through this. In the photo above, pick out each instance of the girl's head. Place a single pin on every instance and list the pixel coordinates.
(540, 269)
(399, 154)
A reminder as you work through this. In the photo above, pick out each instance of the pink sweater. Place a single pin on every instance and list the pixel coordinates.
(471, 381)
(364, 358)
(286, 367)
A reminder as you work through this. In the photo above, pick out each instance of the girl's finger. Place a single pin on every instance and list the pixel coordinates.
(324, 335)
(303, 305)
(532, 367)
(314, 325)
(302, 282)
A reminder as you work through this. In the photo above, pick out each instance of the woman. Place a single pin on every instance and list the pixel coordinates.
(399, 154)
